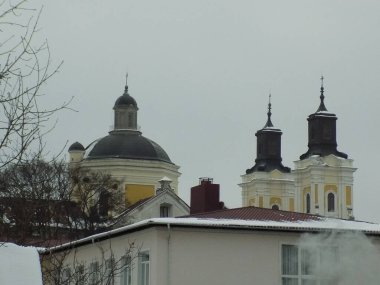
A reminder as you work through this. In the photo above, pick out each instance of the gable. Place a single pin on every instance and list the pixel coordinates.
(151, 208)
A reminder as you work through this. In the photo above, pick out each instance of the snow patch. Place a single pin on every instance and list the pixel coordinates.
(19, 265)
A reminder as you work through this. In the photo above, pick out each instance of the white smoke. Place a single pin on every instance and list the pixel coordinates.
(342, 258)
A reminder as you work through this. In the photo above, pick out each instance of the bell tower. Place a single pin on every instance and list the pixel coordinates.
(268, 183)
(125, 109)
(324, 175)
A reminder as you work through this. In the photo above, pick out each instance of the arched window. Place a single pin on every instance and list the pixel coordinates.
(331, 202)
(308, 203)
(275, 207)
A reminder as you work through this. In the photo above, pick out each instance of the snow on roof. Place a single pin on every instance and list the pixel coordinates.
(272, 129)
(322, 224)
(19, 265)
(165, 178)
(324, 114)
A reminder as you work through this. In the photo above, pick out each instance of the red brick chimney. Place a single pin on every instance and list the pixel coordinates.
(205, 197)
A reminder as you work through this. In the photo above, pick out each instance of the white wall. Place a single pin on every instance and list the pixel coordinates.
(198, 256)
(189, 256)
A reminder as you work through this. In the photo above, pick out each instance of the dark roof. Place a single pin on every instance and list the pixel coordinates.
(322, 132)
(76, 146)
(268, 157)
(258, 214)
(125, 99)
(130, 145)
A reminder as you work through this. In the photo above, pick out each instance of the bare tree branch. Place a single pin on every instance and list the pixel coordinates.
(25, 67)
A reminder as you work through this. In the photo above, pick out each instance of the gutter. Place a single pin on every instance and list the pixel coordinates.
(168, 256)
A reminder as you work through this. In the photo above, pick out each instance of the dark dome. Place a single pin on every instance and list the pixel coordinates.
(125, 100)
(130, 145)
(76, 146)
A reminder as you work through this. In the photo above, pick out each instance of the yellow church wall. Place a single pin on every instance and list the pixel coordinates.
(275, 174)
(291, 204)
(261, 201)
(136, 192)
(252, 202)
(348, 196)
(275, 200)
(331, 180)
(331, 188)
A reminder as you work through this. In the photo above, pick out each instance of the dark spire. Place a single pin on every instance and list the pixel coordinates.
(125, 99)
(269, 122)
(268, 149)
(322, 106)
(322, 132)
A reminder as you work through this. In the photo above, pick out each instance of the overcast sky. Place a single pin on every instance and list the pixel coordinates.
(201, 72)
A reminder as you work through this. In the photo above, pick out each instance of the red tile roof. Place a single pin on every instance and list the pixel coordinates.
(258, 214)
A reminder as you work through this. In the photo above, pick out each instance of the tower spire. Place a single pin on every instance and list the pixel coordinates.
(268, 152)
(126, 83)
(322, 106)
(269, 121)
(322, 132)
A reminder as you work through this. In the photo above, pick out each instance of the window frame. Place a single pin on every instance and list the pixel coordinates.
(93, 276)
(126, 270)
(144, 268)
(331, 194)
(80, 274)
(66, 275)
(308, 203)
(317, 259)
(165, 210)
(109, 267)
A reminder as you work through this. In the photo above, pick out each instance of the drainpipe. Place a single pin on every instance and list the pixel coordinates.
(168, 257)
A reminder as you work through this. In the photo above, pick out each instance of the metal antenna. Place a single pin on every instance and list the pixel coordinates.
(126, 82)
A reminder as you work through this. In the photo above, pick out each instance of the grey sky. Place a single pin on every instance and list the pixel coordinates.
(201, 72)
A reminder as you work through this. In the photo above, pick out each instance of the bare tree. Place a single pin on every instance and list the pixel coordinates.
(25, 67)
(48, 203)
(63, 267)
(97, 196)
(34, 196)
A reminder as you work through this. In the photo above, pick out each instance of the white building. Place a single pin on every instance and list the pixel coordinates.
(238, 246)
(164, 204)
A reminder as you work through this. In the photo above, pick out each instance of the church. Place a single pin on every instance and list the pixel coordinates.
(321, 182)
(137, 162)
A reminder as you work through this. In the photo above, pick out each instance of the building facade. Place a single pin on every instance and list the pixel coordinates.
(321, 181)
(137, 162)
(237, 246)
